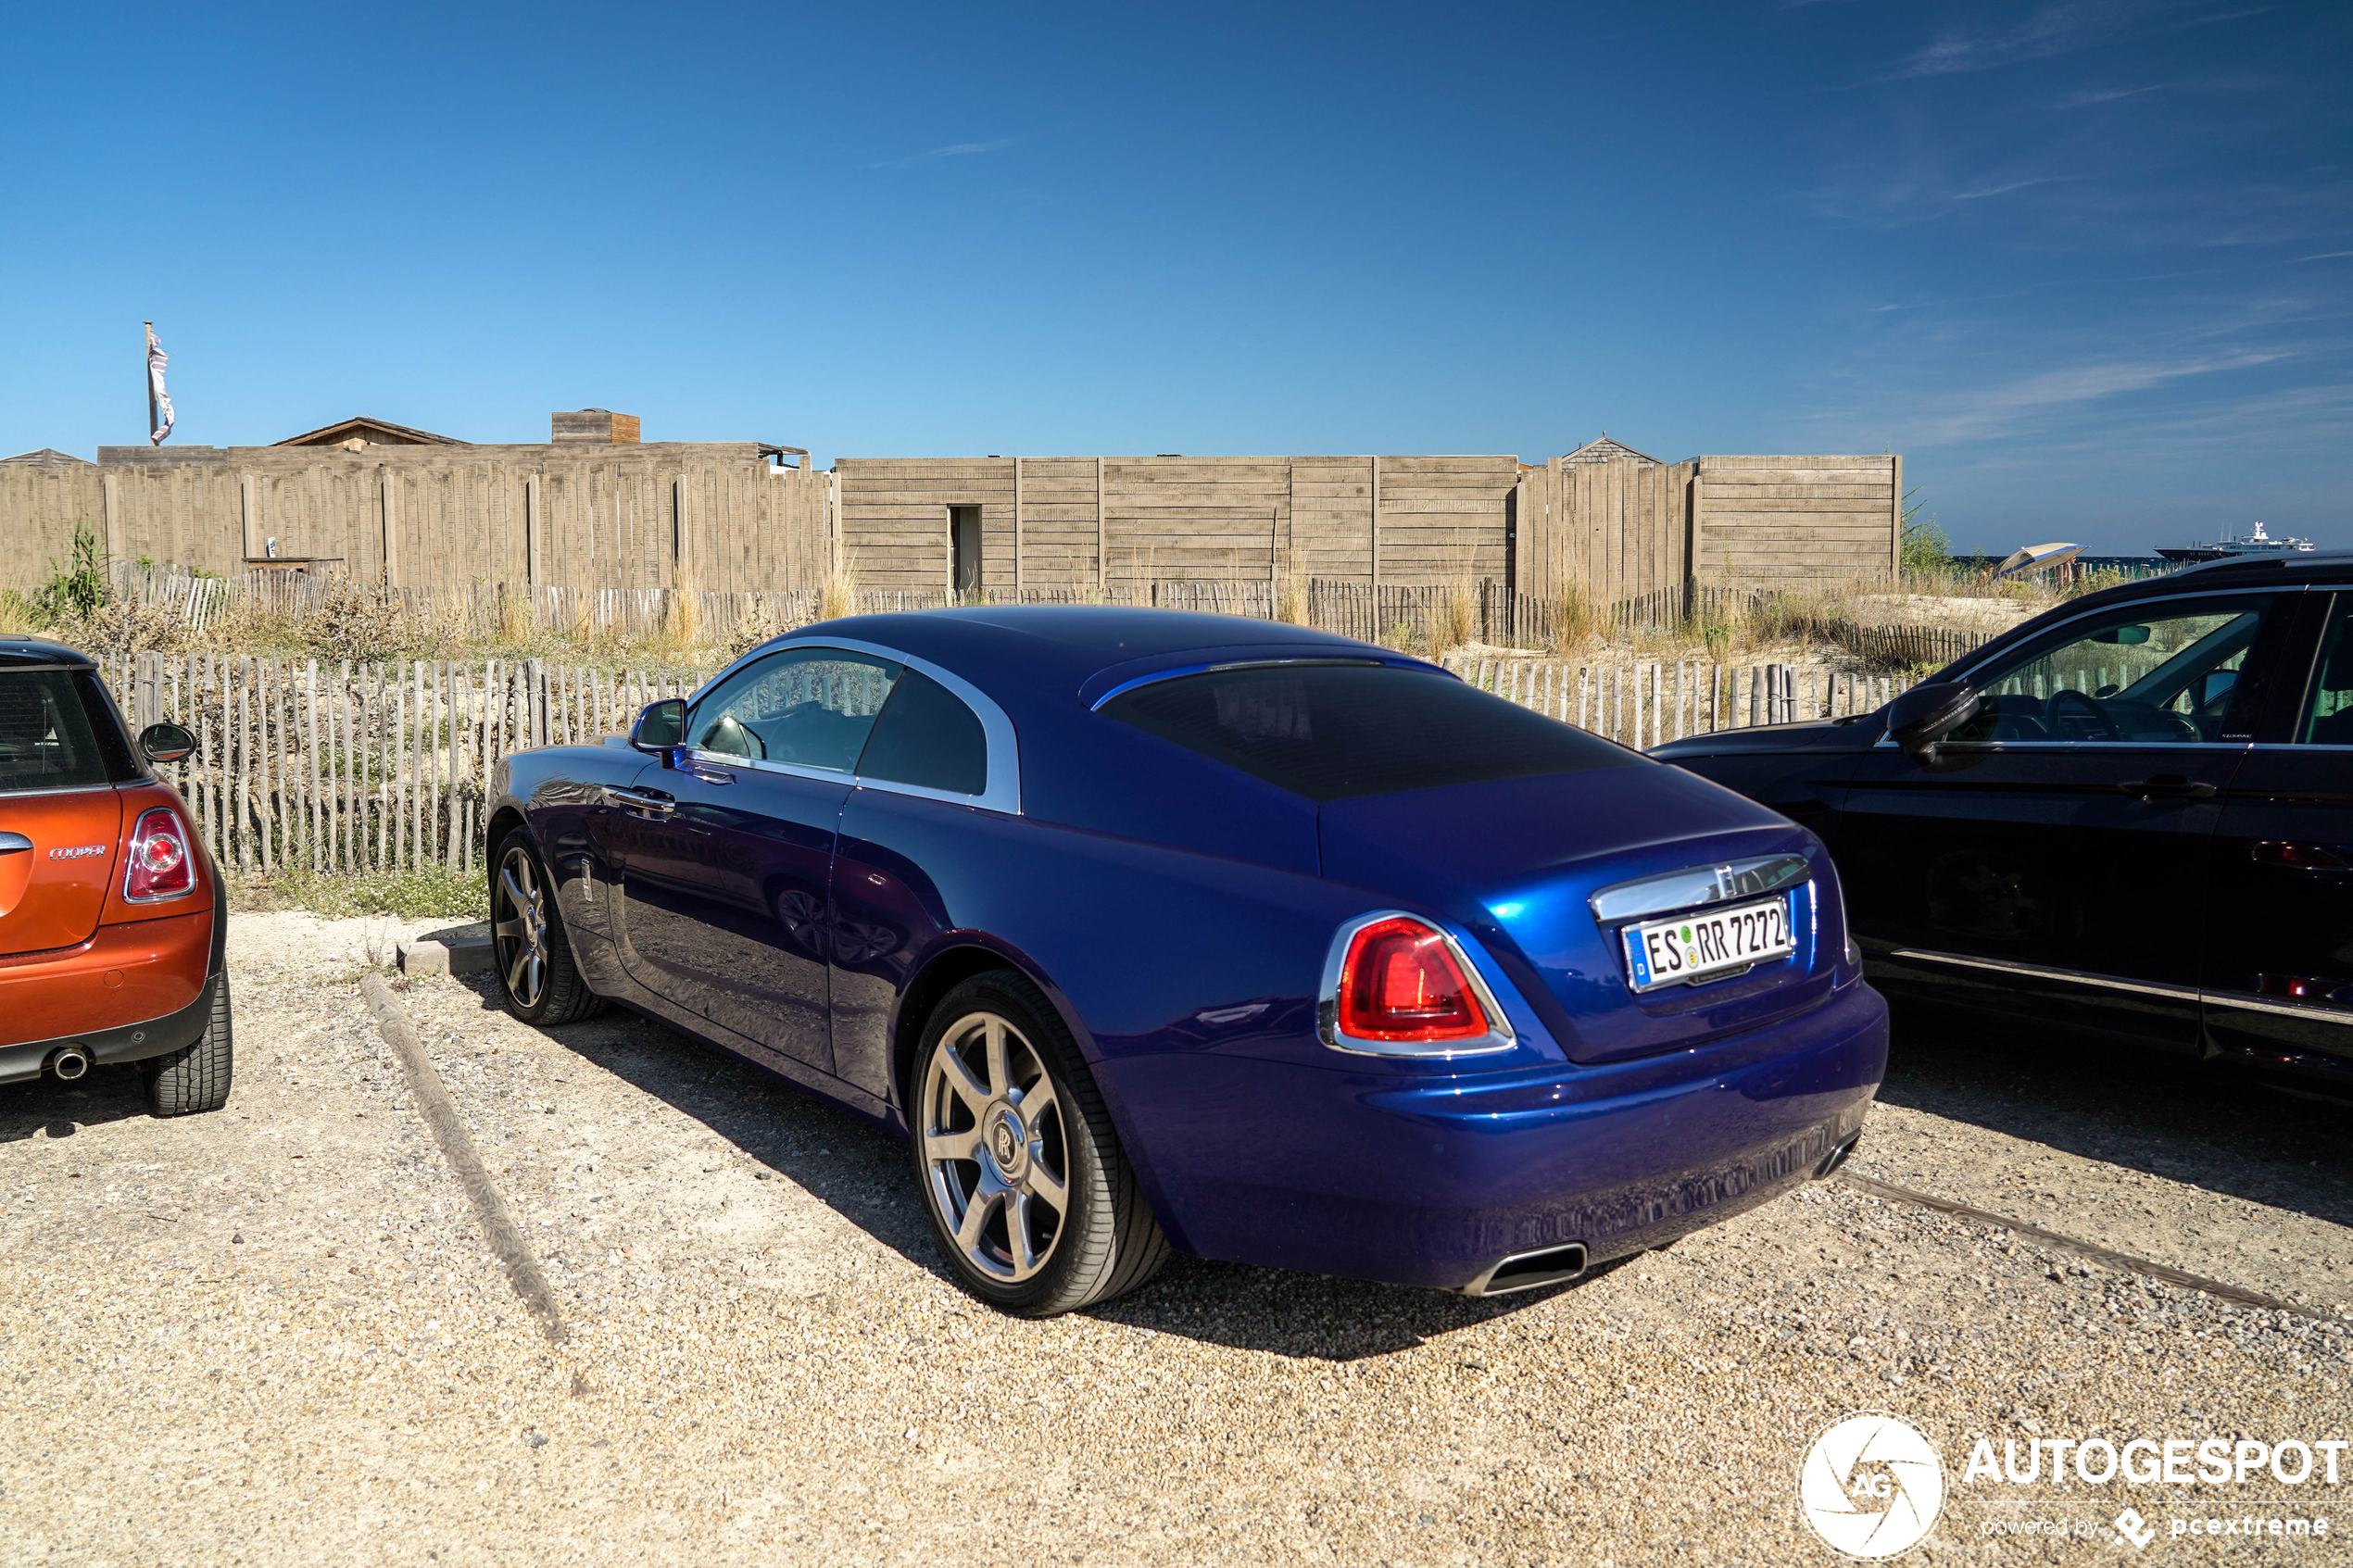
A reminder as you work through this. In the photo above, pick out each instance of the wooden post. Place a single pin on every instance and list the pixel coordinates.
(147, 376)
(248, 515)
(1895, 514)
(1018, 520)
(391, 518)
(111, 496)
(1376, 500)
(1102, 537)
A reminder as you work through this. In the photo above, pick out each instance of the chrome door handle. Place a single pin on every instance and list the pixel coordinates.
(12, 842)
(2167, 786)
(639, 799)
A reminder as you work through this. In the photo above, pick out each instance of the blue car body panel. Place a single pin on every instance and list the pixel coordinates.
(1178, 913)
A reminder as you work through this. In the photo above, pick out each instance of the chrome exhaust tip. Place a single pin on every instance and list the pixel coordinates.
(68, 1062)
(1836, 1156)
(1528, 1271)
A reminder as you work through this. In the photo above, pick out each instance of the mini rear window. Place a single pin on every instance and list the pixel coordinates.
(46, 740)
(1330, 731)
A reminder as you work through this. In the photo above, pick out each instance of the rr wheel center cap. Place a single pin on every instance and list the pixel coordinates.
(1008, 1143)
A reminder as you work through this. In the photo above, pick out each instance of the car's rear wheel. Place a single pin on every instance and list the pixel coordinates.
(196, 1078)
(1030, 1200)
(537, 977)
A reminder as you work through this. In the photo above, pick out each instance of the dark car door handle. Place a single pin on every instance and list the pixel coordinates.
(2167, 786)
(640, 799)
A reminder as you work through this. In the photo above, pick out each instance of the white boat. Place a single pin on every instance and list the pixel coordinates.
(2256, 542)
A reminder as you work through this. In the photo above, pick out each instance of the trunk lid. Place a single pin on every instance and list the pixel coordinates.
(61, 819)
(1517, 862)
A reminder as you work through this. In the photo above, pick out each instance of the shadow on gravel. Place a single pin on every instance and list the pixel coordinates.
(2211, 1127)
(861, 1173)
(60, 1110)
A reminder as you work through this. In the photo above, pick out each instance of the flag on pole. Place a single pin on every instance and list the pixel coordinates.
(159, 400)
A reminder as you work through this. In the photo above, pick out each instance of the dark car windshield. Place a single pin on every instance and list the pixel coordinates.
(1331, 732)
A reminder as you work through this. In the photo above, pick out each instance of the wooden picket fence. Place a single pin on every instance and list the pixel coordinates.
(1643, 705)
(328, 767)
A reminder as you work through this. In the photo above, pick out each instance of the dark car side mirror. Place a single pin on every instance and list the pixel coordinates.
(1920, 717)
(166, 743)
(659, 727)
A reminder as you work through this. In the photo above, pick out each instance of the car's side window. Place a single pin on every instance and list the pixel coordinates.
(810, 707)
(2328, 717)
(925, 735)
(2163, 671)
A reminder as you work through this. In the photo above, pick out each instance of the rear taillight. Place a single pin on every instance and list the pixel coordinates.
(161, 865)
(1402, 984)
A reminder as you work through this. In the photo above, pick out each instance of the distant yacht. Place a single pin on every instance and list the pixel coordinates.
(2256, 543)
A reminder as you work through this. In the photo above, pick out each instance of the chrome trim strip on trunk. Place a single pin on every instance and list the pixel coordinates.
(1694, 885)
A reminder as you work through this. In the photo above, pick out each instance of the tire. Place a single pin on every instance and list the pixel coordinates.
(990, 1157)
(531, 954)
(196, 1078)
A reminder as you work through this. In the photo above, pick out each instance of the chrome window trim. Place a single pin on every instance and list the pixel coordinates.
(2298, 746)
(1690, 887)
(1003, 791)
(1499, 1035)
(2286, 1009)
(1979, 748)
(1180, 672)
(2075, 976)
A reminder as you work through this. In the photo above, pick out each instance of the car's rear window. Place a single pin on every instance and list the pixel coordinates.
(1330, 731)
(46, 738)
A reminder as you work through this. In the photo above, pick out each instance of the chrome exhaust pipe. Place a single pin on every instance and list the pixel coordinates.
(1836, 1156)
(68, 1062)
(1528, 1271)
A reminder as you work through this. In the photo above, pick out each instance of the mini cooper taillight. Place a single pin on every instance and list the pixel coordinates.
(161, 864)
(1401, 987)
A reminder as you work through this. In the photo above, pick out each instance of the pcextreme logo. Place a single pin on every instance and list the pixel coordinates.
(1872, 1485)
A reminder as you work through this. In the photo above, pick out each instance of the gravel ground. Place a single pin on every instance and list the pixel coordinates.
(272, 1335)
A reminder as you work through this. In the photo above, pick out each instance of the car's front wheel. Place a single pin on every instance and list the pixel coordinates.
(1030, 1200)
(537, 977)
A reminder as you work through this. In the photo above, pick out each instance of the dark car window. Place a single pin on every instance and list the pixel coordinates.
(2328, 720)
(925, 735)
(2151, 671)
(46, 738)
(1331, 732)
(810, 707)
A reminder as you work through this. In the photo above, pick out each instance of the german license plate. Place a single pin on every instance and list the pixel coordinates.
(1692, 947)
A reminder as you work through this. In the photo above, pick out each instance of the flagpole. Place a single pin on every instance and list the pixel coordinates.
(147, 376)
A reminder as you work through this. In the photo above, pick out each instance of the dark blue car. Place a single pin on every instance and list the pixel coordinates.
(1154, 932)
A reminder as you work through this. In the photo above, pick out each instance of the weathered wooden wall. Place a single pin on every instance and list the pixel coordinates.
(1619, 530)
(712, 515)
(1771, 523)
(1111, 523)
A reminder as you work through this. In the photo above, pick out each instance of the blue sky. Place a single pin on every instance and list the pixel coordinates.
(2086, 264)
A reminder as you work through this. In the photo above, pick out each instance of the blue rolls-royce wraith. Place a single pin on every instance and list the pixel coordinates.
(1159, 931)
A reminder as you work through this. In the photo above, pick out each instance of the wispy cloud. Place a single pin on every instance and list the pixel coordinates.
(1997, 410)
(2086, 100)
(2005, 190)
(2055, 30)
(2326, 256)
(954, 149)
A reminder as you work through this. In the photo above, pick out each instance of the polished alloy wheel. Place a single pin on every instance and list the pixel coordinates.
(519, 924)
(996, 1153)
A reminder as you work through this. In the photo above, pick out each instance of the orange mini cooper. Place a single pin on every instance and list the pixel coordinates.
(112, 917)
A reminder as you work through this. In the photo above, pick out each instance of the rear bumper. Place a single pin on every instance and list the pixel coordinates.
(135, 990)
(1431, 1182)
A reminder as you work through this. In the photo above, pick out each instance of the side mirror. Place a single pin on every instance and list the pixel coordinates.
(1925, 715)
(166, 743)
(662, 726)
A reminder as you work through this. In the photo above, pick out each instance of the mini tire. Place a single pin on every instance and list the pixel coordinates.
(195, 1077)
(538, 980)
(1031, 1201)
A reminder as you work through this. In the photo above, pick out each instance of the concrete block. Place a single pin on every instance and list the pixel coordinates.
(470, 955)
(423, 957)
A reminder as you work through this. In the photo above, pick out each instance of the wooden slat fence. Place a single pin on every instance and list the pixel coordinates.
(1643, 705)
